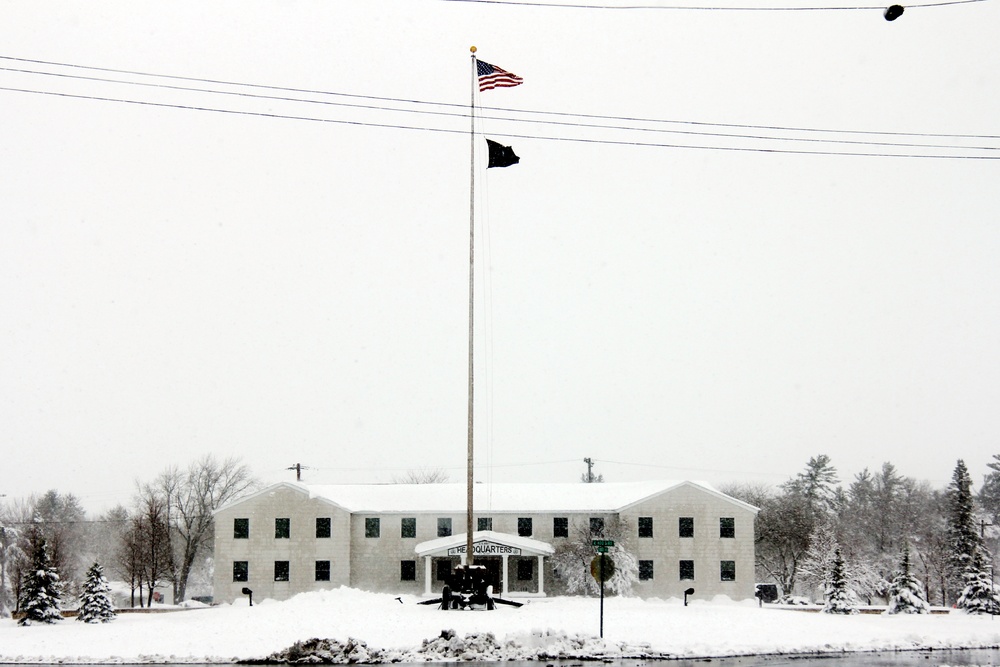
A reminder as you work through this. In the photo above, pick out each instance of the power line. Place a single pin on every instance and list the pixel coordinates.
(462, 109)
(644, 144)
(465, 114)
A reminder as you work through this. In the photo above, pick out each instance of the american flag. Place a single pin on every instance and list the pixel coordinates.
(491, 76)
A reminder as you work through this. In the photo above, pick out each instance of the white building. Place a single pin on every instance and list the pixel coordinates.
(406, 538)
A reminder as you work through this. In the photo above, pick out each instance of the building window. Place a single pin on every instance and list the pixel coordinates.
(645, 526)
(281, 570)
(408, 527)
(241, 529)
(596, 525)
(560, 527)
(241, 570)
(323, 525)
(322, 570)
(444, 527)
(407, 570)
(645, 570)
(282, 529)
(685, 526)
(727, 527)
(687, 570)
(727, 570)
(443, 569)
(524, 526)
(484, 523)
(373, 527)
(525, 569)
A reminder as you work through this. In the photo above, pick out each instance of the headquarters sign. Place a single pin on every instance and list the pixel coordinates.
(486, 548)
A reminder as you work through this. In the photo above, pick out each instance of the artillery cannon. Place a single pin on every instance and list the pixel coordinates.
(467, 589)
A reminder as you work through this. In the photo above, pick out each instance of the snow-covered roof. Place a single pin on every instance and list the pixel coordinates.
(499, 497)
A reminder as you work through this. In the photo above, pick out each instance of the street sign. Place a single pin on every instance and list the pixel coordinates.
(602, 543)
(602, 550)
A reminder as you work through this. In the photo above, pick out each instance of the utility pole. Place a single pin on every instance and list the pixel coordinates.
(589, 477)
(298, 468)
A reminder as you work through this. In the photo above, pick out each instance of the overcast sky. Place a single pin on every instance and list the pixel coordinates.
(289, 283)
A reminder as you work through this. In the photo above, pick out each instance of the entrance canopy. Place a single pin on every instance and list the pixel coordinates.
(484, 543)
(489, 545)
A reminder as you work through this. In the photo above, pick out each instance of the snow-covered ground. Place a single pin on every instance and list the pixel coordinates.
(546, 628)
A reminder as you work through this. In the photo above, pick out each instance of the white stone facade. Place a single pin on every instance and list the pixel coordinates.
(292, 537)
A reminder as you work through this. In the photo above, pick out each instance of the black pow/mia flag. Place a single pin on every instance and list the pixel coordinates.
(501, 156)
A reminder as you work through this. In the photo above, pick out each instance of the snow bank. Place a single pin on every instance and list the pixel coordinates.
(351, 624)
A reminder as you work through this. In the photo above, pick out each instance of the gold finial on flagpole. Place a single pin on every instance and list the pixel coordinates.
(472, 48)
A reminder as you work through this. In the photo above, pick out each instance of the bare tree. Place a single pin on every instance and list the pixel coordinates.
(753, 493)
(781, 536)
(190, 497)
(151, 533)
(10, 552)
(60, 518)
(422, 476)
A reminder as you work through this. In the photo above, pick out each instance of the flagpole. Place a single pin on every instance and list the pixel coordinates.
(472, 256)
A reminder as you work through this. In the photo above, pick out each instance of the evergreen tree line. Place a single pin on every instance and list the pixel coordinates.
(894, 537)
(163, 538)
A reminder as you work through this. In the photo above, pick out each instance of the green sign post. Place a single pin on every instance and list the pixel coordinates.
(601, 568)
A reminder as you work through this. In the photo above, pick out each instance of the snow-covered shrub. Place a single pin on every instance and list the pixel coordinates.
(979, 595)
(42, 588)
(840, 599)
(95, 600)
(906, 594)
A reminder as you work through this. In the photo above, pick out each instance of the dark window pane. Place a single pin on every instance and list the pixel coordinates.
(322, 570)
(407, 570)
(524, 526)
(282, 528)
(408, 527)
(443, 569)
(323, 525)
(525, 569)
(373, 528)
(241, 570)
(645, 526)
(687, 569)
(596, 525)
(686, 526)
(281, 570)
(727, 527)
(727, 570)
(241, 529)
(484, 523)
(645, 570)
(560, 527)
(444, 527)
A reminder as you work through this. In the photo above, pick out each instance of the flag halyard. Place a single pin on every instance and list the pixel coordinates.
(491, 76)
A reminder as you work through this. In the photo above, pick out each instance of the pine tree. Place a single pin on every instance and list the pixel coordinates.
(95, 601)
(839, 598)
(40, 595)
(906, 594)
(962, 533)
(979, 595)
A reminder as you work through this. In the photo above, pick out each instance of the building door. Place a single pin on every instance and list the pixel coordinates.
(494, 572)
